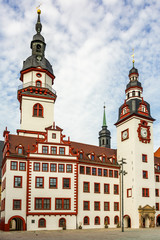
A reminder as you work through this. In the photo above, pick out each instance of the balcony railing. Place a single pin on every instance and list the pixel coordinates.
(33, 84)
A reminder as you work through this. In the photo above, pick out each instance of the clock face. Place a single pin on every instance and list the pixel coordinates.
(125, 134)
(144, 132)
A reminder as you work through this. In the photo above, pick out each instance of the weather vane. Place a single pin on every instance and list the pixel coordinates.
(38, 8)
(133, 57)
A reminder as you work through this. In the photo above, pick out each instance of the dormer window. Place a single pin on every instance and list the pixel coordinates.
(143, 108)
(124, 110)
(113, 160)
(92, 157)
(103, 159)
(20, 149)
(81, 155)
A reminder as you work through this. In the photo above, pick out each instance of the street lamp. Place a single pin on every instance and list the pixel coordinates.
(121, 162)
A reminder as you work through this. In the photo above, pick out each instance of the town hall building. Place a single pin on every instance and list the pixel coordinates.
(51, 183)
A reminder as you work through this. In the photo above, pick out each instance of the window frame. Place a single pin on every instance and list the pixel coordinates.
(47, 169)
(53, 152)
(12, 166)
(44, 151)
(42, 199)
(116, 191)
(116, 206)
(56, 183)
(55, 165)
(15, 182)
(44, 223)
(62, 199)
(144, 158)
(145, 192)
(36, 110)
(20, 204)
(60, 149)
(59, 168)
(88, 183)
(34, 168)
(108, 207)
(98, 207)
(97, 218)
(107, 192)
(69, 182)
(36, 186)
(144, 174)
(88, 220)
(95, 191)
(88, 206)
(20, 166)
(71, 168)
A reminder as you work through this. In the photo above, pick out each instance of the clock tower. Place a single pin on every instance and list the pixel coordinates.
(36, 95)
(135, 144)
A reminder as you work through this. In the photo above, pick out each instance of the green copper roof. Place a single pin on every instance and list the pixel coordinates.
(104, 118)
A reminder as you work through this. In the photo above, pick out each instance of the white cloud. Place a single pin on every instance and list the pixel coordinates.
(89, 44)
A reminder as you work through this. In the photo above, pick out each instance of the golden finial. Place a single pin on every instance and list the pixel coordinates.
(38, 9)
(133, 57)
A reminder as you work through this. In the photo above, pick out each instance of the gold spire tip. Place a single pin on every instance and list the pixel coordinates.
(38, 9)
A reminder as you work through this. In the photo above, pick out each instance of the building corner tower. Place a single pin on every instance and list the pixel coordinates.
(36, 95)
(104, 134)
(135, 144)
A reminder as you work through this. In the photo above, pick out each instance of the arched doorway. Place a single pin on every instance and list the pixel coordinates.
(127, 221)
(146, 221)
(16, 223)
(158, 221)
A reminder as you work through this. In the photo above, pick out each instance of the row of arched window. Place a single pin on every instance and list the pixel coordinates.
(86, 221)
(133, 94)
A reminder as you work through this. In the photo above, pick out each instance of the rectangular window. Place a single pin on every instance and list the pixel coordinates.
(61, 150)
(39, 182)
(20, 150)
(105, 172)
(129, 192)
(106, 206)
(52, 182)
(96, 206)
(106, 188)
(116, 189)
(86, 187)
(22, 166)
(81, 169)
(94, 171)
(53, 150)
(116, 174)
(157, 206)
(144, 158)
(97, 187)
(99, 171)
(17, 182)
(45, 167)
(17, 204)
(66, 183)
(103, 159)
(145, 174)
(36, 167)
(88, 170)
(53, 167)
(116, 206)
(45, 149)
(62, 203)
(14, 165)
(53, 135)
(110, 173)
(157, 178)
(60, 167)
(42, 203)
(92, 157)
(86, 205)
(157, 192)
(145, 192)
(69, 168)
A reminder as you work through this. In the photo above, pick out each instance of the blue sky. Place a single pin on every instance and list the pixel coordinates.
(89, 44)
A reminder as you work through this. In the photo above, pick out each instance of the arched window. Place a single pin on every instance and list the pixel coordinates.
(107, 220)
(133, 93)
(42, 222)
(116, 220)
(38, 48)
(62, 222)
(38, 83)
(128, 95)
(97, 221)
(86, 221)
(37, 110)
(20, 149)
(102, 141)
(139, 94)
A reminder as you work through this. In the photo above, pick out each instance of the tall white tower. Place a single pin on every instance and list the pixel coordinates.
(135, 144)
(36, 95)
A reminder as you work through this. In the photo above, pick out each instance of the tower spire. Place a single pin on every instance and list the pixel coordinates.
(38, 24)
(104, 134)
(133, 57)
(104, 117)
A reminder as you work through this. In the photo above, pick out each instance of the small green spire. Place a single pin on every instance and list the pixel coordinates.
(104, 117)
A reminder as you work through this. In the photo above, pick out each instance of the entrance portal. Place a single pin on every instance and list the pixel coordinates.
(158, 221)
(127, 221)
(146, 216)
(16, 223)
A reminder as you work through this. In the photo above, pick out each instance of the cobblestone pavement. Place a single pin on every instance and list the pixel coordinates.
(94, 234)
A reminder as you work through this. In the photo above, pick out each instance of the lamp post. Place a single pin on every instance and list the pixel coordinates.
(121, 162)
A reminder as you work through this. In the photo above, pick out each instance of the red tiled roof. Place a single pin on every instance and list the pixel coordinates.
(15, 140)
(88, 149)
(157, 153)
